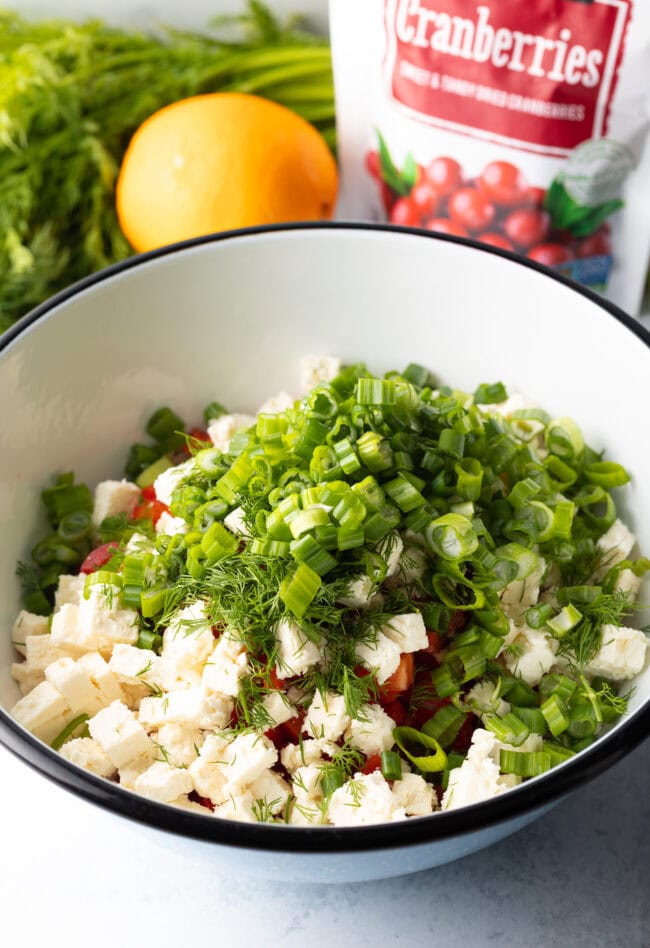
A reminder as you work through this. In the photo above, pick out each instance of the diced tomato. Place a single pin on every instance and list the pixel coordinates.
(203, 801)
(293, 727)
(277, 737)
(464, 736)
(396, 711)
(99, 557)
(373, 763)
(150, 510)
(401, 679)
(457, 622)
(361, 671)
(275, 681)
(199, 434)
(425, 700)
(149, 493)
(436, 643)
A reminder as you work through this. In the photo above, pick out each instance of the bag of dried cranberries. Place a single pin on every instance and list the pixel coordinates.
(524, 125)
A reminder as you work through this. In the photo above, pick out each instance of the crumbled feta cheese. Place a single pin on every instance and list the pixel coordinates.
(327, 717)
(136, 666)
(414, 795)
(25, 678)
(530, 654)
(129, 773)
(114, 497)
(296, 653)
(516, 401)
(372, 731)
(478, 778)
(382, 656)
(190, 706)
(163, 783)
(247, 757)
(307, 752)
(120, 735)
(238, 807)
(208, 770)
(307, 783)
(236, 522)
(520, 594)
(85, 752)
(412, 565)
(316, 369)
(96, 624)
(407, 631)
(391, 548)
(167, 482)
(170, 526)
(41, 711)
(27, 623)
(178, 744)
(138, 543)
(69, 590)
(187, 644)
(277, 404)
(184, 803)
(271, 790)
(616, 544)
(40, 651)
(367, 798)
(621, 655)
(102, 677)
(359, 593)
(74, 683)
(222, 429)
(225, 666)
(278, 707)
(628, 582)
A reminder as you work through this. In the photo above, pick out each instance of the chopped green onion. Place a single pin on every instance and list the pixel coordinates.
(444, 681)
(330, 781)
(391, 765)
(210, 462)
(402, 492)
(554, 711)
(376, 392)
(445, 724)
(564, 621)
(147, 476)
(532, 718)
(218, 542)
(101, 577)
(557, 684)
(564, 439)
(415, 744)
(522, 492)
(347, 456)
(308, 550)
(163, 425)
(75, 526)
(530, 764)
(490, 394)
(153, 600)
(451, 443)
(149, 640)
(537, 616)
(557, 752)
(452, 537)
(297, 591)
(607, 474)
(68, 731)
(375, 452)
(510, 728)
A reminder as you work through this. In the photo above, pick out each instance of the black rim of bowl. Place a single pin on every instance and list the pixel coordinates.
(525, 799)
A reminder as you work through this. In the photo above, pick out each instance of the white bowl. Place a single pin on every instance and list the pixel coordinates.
(228, 317)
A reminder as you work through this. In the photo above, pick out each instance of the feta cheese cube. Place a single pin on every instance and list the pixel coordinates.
(622, 653)
(102, 677)
(179, 744)
(170, 526)
(235, 522)
(163, 783)
(86, 752)
(129, 773)
(27, 680)
(277, 404)
(327, 717)
(190, 706)
(382, 656)
(616, 544)
(628, 582)
(41, 711)
(520, 594)
(478, 778)
(414, 795)
(316, 369)
(531, 654)
(27, 623)
(225, 666)
(372, 731)
(248, 756)
(73, 682)
(359, 593)
(136, 666)
(41, 651)
(391, 548)
(101, 621)
(307, 752)
(278, 707)
(208, 769)
(222, 429)
(367, 798)
(167, 482)
(114, 497)
(120, 735)
(271, 790)
(307, 785)
(240, 807)
(69, 591)
(412, 565)
(296, 653)
(187, 644)
(407, 631)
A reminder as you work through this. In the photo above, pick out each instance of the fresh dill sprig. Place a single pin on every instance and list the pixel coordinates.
(581, 643)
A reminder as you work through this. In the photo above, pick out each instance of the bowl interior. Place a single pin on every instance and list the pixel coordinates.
(230, 319)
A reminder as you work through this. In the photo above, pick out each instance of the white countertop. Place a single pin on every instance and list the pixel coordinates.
(577, 878)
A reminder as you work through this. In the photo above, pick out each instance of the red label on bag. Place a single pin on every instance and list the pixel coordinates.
(538, 75)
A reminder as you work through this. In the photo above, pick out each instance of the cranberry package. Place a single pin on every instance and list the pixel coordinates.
(523, 125)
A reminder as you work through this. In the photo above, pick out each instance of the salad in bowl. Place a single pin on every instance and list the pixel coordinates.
(380, 600)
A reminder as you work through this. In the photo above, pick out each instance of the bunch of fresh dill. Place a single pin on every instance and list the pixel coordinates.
(71, 96)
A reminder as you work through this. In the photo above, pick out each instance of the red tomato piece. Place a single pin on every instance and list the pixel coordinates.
(457, 622)
(99, 557)
(401, 679)
(551, 254)
(504, 184)
(199, 434)
(537, 196)
(527, 226)
(396, 710)
(445, 174)
(149, 493)
(424, 198)
(388, 196)
(594, 245)
(373, 166)
(277, 737)
(275, 680)
(443, 226)
(203, 801)
(151, 510)
(436, 643)
(464, 736)
(425, 701)
(405, 213)
(293, 727)
(495, 240)
(372, 763)
(471, 209)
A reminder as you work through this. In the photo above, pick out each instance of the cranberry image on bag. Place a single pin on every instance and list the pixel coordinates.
(524, 126)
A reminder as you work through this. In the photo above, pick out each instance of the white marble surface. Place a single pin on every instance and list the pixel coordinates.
(578, 878)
